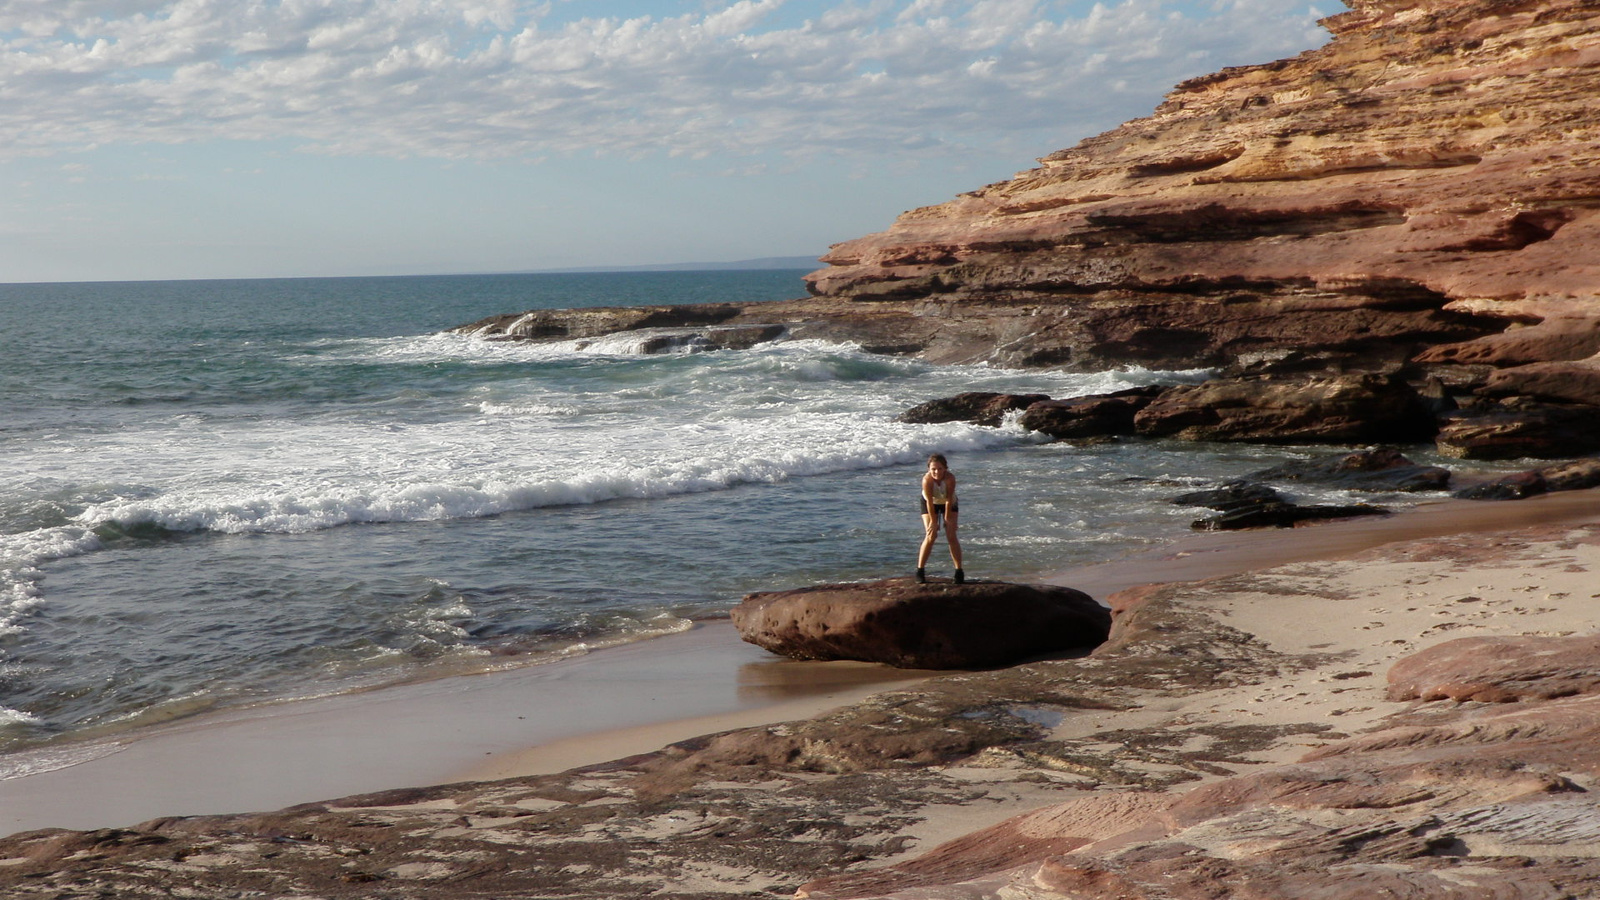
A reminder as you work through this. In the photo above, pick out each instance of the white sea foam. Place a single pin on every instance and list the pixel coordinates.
(20, 556)
(35, 762)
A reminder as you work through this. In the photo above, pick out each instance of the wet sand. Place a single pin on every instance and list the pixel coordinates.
(607, 705)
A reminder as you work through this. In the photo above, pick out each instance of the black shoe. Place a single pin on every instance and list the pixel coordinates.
(922, 576)
(961, 577)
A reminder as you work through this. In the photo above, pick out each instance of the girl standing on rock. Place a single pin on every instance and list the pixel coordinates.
(939, 505)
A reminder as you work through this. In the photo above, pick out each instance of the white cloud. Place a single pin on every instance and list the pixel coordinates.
(502, 78)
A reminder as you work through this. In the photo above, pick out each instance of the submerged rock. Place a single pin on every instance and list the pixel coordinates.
(938, 625)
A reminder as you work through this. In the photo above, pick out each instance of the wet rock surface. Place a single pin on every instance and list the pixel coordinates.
(1573, 475)
(1094, 415)
(1379, 470)
(937, 625)
(1283, 514)
(978, 407)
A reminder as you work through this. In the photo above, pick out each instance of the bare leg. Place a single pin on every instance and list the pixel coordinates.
(930, 531)
(955, 542)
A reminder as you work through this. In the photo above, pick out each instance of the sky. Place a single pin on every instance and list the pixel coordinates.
(142, 139)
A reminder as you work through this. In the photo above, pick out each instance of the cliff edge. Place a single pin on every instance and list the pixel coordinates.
(1422, 189)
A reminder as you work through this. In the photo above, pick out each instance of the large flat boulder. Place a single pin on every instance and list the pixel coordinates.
(938, 625)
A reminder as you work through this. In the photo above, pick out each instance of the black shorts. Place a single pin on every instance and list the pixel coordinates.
(938, 508)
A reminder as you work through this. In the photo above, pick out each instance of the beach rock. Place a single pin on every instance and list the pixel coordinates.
(1094, 415)
(1230, 496)
(1515, 486)
(1269, 409)
(1516, 429)
(977, 407)
(1384, 469)
(1474, 800)
(1281, 514)
(1499, 670)
(938, 625)
(1575, 475)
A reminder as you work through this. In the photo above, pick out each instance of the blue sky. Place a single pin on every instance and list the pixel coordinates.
(252, 138)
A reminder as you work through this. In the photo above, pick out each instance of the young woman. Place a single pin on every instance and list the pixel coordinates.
(939, 505)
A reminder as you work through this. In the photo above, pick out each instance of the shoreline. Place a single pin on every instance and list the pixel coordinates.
(609, 704)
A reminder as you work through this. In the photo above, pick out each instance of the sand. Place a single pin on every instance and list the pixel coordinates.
(636, 698)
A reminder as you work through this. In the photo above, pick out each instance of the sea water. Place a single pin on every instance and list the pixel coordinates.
(217, 493)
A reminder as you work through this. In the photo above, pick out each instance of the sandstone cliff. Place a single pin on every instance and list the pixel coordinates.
(1427, 182)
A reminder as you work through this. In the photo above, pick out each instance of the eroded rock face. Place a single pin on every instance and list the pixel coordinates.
(1338, 409)
(1418, 184)
(922, 626)
(1512, 430)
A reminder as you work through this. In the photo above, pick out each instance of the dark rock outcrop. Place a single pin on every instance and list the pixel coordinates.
(1338, 409)
(1383, 469)
(1575, 475)
(1094, 415)
(977, 407)
(1230, 496)
(1282, 514)
(922, 626)
(1517, 429)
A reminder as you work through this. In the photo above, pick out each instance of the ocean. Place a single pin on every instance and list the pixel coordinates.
(220, 493)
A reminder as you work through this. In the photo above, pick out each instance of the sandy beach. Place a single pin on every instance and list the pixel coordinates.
(629, 700)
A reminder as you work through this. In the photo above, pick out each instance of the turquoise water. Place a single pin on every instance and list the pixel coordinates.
(216, 493)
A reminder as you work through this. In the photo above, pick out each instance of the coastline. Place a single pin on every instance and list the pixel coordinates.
(606, 705)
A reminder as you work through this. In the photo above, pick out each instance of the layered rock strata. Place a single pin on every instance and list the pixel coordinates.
(1425, 183)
